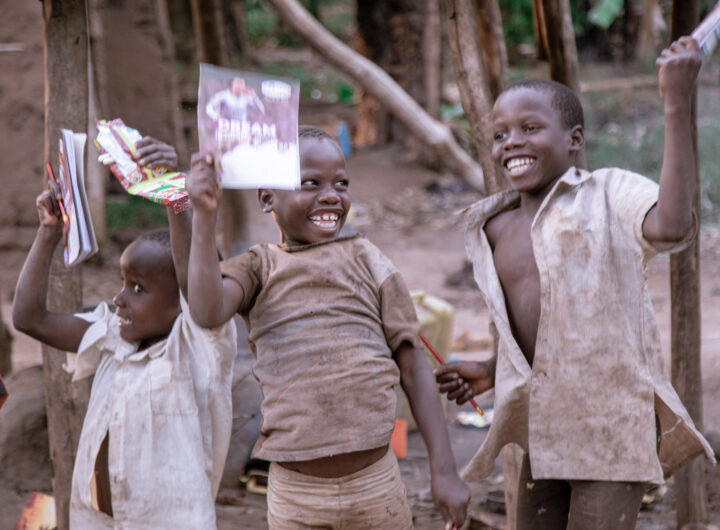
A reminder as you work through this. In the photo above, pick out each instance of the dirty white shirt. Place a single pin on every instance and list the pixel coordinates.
(586, 408)
(168, 412)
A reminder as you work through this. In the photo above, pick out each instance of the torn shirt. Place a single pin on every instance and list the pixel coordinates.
(586, 408)
(168, 412)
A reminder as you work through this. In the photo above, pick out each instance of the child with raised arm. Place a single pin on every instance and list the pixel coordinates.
(157, 428)
(560, 260)
(333, 329)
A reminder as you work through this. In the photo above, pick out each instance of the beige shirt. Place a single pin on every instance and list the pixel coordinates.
(324, 321)
(586, 409)
(168, 412)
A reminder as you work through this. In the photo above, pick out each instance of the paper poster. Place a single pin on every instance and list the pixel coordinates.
(249, 122)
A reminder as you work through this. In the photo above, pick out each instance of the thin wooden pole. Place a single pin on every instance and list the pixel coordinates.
(690, 491)
(66, 105)
(472, 82)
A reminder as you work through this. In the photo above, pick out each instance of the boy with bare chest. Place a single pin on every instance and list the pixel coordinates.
(560, 260)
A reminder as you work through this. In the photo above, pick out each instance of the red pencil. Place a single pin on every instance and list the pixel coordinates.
(439, 359)
(60, 202)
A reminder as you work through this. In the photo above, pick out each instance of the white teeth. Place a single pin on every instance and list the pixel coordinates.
(325, 220)
(518, 165)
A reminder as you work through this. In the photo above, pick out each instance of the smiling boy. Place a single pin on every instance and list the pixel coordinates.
(157, 428)
(333, 329)
(560, 260)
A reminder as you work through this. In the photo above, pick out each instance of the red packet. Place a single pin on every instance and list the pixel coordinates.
(156, 185)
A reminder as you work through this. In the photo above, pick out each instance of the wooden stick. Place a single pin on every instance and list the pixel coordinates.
(440, 360)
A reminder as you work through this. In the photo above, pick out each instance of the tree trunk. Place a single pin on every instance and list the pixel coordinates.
(690, 490)
(432, 57)
(391, 35)
(562, 52)
(374, 80)
(209, 37)
(648, 39)
(492, 44)
(540, 30)
(629, 30)
(235, 15)
(473, 85)
(233, 232)
(66, 105)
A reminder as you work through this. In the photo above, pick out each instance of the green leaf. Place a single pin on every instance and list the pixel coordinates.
(605, 12)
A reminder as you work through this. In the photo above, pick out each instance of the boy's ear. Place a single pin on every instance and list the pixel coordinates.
(577, 138)
(265, 198)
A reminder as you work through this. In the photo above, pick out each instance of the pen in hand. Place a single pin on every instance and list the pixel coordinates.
(440, 360)
(65, 218)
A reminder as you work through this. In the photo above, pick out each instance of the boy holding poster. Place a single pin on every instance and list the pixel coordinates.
(333, 329)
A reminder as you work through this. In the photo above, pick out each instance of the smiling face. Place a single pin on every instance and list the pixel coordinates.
(531, 144)
(148, 303)
(317, 211)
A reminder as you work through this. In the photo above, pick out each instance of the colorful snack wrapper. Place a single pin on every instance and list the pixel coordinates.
(156, 185)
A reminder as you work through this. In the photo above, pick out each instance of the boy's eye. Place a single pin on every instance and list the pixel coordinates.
(531, 128)
(308, 183)
(137, 288)
(342, 184)
(499, 136)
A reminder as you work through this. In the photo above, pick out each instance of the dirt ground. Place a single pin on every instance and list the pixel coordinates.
(419, 231)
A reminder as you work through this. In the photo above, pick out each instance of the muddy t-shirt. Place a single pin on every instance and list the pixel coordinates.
(324, 320)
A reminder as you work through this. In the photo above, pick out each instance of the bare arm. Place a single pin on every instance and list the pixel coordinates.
(30, 314)
(671, 218)
(212, 300)
(450, 494)
(180, 229)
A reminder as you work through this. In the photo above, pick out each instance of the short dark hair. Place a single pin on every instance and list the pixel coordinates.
(162, 238)
(310, 131)
(563, 99)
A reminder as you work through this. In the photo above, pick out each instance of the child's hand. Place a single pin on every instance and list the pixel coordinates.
(202, 184)
(678, 67)
(451, 496)
(48, 208)
(464, 379)
(153, 153)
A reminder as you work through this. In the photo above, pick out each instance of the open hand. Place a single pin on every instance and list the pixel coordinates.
(464, 379)
(202, 184)
(678, 67)
(451, 496)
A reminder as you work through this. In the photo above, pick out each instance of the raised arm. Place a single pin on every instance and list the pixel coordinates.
(450, 494)
(212, 300)
(30, 315)
(671, 218)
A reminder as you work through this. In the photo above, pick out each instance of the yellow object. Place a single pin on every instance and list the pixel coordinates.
(436, 321)
(38, 513)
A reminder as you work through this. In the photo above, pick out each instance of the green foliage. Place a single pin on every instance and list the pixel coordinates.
(264, 27)
(517, 21)
(604, 12)
(129, 211)
(626, 129)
